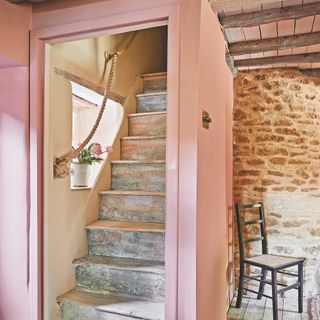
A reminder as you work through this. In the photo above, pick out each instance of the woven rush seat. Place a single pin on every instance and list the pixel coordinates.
(273, 261)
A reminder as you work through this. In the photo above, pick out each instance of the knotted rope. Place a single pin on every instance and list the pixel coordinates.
(62, 164)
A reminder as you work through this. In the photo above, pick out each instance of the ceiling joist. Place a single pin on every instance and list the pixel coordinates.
(252, 19)
(288, 59)
(287, 42)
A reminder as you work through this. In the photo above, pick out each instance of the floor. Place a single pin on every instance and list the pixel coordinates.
(253, 309)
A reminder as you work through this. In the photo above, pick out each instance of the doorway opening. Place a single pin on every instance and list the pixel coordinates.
(114, 225)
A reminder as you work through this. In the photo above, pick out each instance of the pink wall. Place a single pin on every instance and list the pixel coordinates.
(212, 213)
(202, 167)
(14, 25)
(13, 193)
(189, 101)
(14, 56)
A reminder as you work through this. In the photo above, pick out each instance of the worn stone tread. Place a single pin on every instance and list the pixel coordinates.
(146, 114)
(113, 305)
(122, 263)
(143, 137)
(127, 226)
(154, 75)
(132, 193)
(151, 94)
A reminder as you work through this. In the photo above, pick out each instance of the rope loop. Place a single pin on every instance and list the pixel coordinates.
(62, 164)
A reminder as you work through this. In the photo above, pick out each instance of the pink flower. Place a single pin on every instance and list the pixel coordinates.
(109, 149)
(96, 150)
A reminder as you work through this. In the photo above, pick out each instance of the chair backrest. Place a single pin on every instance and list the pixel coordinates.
(241, 224)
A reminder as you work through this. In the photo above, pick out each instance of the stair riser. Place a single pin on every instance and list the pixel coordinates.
(113, 316)
(139, 177)
(152, 103)
(132, 208)
(120, 282)
(127, 244)
(143, 149)
(154, 84)
(72, 311)
(151, 125)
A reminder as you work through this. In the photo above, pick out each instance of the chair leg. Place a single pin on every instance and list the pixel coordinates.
(261, 287)
(274, 295)
(300, 290)
(240, 288)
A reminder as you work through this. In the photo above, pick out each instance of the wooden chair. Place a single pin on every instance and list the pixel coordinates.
(273, 263)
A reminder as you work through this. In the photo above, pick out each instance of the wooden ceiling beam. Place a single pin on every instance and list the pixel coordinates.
(287, 42)
(294, 58)
(252, 19)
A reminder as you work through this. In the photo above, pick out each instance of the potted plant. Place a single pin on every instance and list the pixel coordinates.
(80, 167)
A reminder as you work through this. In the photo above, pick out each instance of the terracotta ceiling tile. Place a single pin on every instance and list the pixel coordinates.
(304, 25)
(314, 48)
(316, 25)
(270, 53)
(268, 30)
(252, 33)
(289, 3)
(284, 52)
(267, 6)
(299, 50)
(286, 28)
(235, 35)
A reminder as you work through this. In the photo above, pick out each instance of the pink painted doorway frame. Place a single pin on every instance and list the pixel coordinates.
(118, 22)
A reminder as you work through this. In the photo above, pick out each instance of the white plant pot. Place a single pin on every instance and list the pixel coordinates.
(79, 174)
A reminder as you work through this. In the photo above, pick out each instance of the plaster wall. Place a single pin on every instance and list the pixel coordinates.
(215, 82)
(13, 192)
(66, 211)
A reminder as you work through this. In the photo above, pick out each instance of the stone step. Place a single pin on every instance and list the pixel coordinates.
(132, 206)
(143, 148)
(81, 305)
(151, 102)
(138, 175)
(135, 240)
(121, 277)
(147, 124)
(154, 82)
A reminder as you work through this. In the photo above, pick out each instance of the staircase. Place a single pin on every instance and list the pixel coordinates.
(123, 277)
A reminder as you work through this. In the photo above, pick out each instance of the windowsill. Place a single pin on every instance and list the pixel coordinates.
(80, 188)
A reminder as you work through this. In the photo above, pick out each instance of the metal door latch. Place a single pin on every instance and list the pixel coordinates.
(206, 120)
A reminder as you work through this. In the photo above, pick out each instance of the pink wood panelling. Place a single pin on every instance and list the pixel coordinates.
(212, 215)
(14, 27)
(14, 192)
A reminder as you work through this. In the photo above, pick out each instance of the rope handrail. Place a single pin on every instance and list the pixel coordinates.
(62, 164)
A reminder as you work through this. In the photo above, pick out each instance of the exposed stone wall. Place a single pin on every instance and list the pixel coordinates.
(277, 159)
